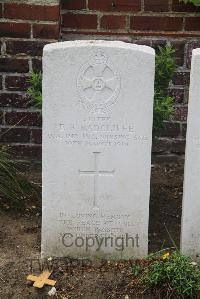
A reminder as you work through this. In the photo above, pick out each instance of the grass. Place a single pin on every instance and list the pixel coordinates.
(14, 185)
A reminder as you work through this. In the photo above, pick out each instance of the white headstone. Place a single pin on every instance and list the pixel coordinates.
(190, 236)
(97, 115)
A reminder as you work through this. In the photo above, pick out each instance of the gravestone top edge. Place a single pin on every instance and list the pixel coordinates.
(196, 52)
(99, 43)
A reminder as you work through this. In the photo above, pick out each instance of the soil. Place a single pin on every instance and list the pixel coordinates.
(20, 248)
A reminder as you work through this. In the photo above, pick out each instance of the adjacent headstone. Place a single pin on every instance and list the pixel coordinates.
(97, 116)
(190, 237)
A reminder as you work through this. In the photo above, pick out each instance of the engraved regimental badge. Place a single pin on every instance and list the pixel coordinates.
(98, 84)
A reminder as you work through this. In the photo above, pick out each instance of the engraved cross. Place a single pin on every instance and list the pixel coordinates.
(96, 173)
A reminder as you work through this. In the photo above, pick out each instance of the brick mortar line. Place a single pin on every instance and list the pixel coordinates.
(128, 22)
(48, 41)
(179, 122)
(186, 51)
(178, 87)
(181, 129)
(150, 38)
(5, 39)
(171, 138)
(30, 64)
(142, 5)
(184, 23)
(170, 5)
(10, 143)
(147, 37)
(31, 136)
(11, 109)
(123, 31)
(99, 16)
(19, 21)
(134, 14)
(30, 162)
(3, 82)
(130, 30)
(19, 57)
(20, 127)
(21, 2)
(12, 74)
(141, 33)
(3, 48)
(182, 69)
(7, 91)
(22, 143)
(31, 31)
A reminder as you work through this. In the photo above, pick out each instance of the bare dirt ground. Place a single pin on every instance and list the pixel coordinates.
(20, 248)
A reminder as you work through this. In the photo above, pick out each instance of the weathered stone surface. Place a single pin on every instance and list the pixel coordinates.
(97, 132)
(191, 204)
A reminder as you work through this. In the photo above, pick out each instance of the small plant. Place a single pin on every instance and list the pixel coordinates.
(13, 184)
(163, 104)
(136, 269)
(195, 2)
(174, 275)
(35, 90)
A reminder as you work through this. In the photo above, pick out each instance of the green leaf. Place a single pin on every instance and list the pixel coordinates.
(35, 90)
(195, 2)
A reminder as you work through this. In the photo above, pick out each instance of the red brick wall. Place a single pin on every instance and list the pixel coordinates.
(149, 22)
(25, 28)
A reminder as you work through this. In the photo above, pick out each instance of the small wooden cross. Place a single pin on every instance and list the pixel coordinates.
(42, 279)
